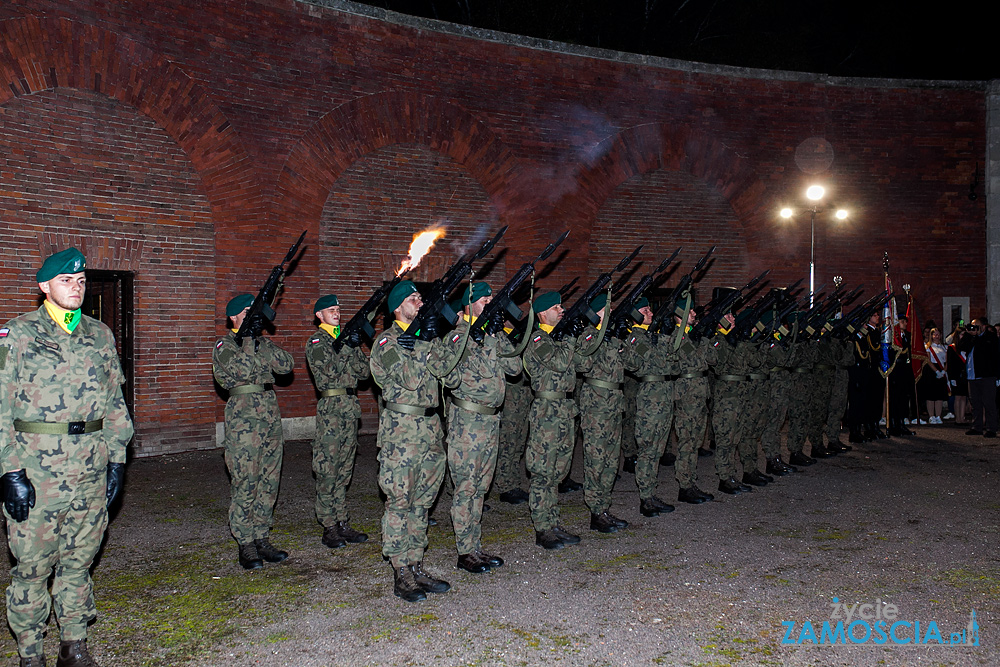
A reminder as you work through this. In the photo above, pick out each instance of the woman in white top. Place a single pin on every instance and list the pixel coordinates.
(933, 385)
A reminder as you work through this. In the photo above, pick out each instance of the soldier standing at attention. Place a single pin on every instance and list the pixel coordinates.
(336, 366)
(253, 443)
(65, 428)
(474, 429)
(551, 365)
(411, 456)
(513, 436)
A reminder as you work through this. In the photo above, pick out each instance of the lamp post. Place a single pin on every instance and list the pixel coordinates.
(814, 193)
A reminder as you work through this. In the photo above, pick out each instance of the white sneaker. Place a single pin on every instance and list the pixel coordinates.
(921, 422)
(881, 422)
(949, 416)
(906, 421)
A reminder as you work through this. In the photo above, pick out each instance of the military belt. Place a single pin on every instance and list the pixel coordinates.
(653, 378)
(758, 376)
(603, 384)
(410, 409)
(250, 389)
(691, 376)
(732, 378)
(824, 367)
(553, 395)
(803, 369)
(51, 428)
(472, 406)
(340, 391)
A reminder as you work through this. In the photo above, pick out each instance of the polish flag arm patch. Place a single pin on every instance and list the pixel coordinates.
(4, 332)
(536, 339)
(218, 345)
(384, 340)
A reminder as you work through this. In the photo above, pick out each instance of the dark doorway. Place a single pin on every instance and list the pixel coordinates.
(110, 299)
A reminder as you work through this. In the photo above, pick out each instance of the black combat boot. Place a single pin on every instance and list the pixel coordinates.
(569, 485)
(654, 507)
(268, 552)
(628, 465)
(405, 586)
(471, 562)
(332, 538)
(350, 535)
(75, 654)
(427, 582)
(494, 561)
(838, 446)
(693, 495)
(515, 497)
(565, 537)
(800, 459)
(754, 478)
(249, 558)
(547, 539)
(820, 452)
(668, 459)
(605, 522)
(732, 487)
(33, 661)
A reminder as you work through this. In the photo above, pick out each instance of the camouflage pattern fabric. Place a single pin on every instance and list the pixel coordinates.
(411, 455)
(628, 416)
(691, 408)
(513, 433)
(49, 375)
(473, 438)
(754, 407)
(336, 441)
(654, 401)
(842, 357)
(551, 365)
(253, 442)
(802, 401)
(600, 420)
(780, 386)
(729, 399)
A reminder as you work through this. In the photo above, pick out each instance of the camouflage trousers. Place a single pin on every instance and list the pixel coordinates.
(513, 436)
(253, 447)
(62, 534)
(628, 417)
(333, 452)
(549, 453)
(728, 420)
(690, 419)
(807, 408)
(755, 416)
(411, 468)
(837, 405)
(601, 423)
(654, 403)
(472, 457)
(777, 412)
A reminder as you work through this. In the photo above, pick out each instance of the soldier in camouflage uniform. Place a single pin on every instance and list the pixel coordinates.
(513, 438)
(842, 359)
(782, 360)
(63, 442)
(601, 404)
(551, 365)
(336, 366)
(729, 400)
(473, 429)
(253, 443)
(754, 410)
(652, 362)
(411, 456)
(690, 406)
(802, 405)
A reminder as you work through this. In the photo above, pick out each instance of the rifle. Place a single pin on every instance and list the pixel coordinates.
(668, 306)
(436, 302)
(582, 306)
(502, 305)
(853, 321)
(710, 319)
(361, 322)
(626, 307)
(754, 324)
(261, 310)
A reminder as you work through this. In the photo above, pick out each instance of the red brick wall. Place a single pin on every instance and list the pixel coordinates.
(195, 140)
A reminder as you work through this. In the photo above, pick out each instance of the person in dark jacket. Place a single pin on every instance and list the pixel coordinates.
(982, 365)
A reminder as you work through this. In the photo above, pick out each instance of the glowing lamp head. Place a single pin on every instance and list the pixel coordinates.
(786, 213)
(841, 214)
(815, 192)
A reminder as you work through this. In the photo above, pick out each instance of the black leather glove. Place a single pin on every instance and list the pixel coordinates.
(494, 326)
(18, 494)
(406, 341)
(576, 327)
(116, 479)
(353, 339)
(431, 330)
(477, 335)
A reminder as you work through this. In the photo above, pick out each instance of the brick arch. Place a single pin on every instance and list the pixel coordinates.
(41, 53)
(645, 148)
(369, 123)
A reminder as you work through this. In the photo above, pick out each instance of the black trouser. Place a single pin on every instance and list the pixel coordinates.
(983, 396)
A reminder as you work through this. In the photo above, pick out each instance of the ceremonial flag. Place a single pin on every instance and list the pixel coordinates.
(889, 322)
(918, 353)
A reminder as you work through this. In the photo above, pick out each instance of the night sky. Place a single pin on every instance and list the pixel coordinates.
(870, 39)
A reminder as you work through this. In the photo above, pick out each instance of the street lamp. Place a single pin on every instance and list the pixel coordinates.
(814, 193)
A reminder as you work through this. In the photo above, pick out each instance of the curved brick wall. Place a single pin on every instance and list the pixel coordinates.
(229, 130)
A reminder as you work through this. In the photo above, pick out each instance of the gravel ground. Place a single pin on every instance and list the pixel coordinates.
(909, 522)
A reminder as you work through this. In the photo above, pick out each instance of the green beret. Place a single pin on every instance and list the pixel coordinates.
(399, 294)
(70, 260)
(599, 301)
(643, 302)
(546, 301)
(238, 303)
(479, 290)
(324, 302)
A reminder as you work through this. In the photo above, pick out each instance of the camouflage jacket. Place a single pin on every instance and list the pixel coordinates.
(233, 365)
(551, 364)
(410, 377)
(336, 370)
(607, 362)
(648, 358)
(842, 353)
(48, 375)
(693, 357)
(479, 376)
